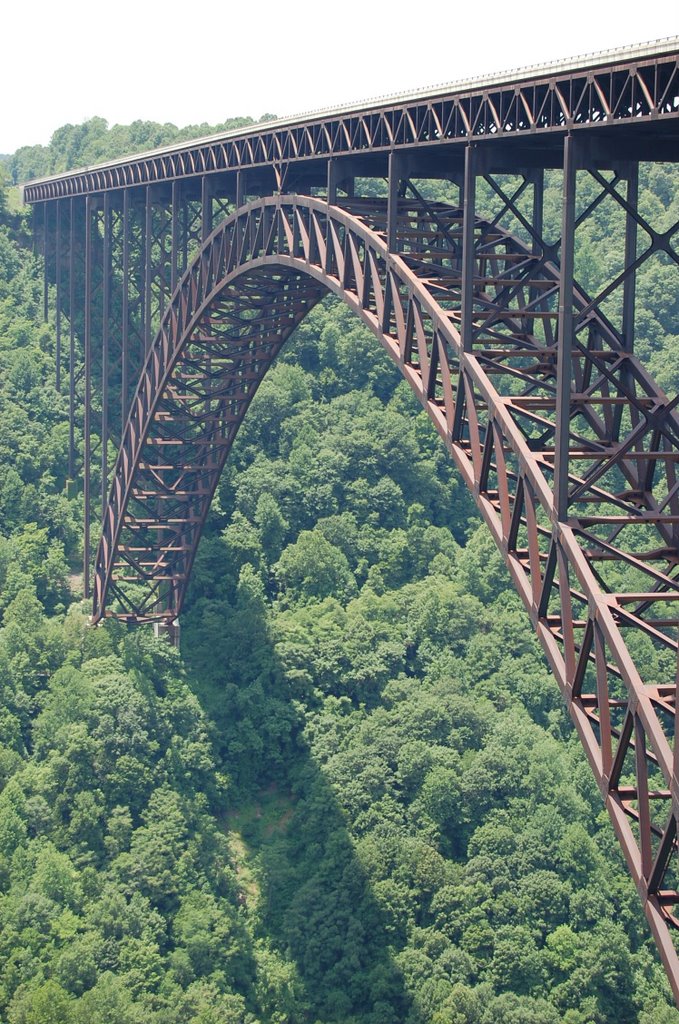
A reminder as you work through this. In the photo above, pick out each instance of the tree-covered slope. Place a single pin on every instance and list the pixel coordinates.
(355, 797)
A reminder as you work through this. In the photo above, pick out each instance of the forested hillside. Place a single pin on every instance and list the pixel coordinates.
(354, 797)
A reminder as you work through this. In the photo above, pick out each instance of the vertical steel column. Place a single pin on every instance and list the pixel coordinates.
(332, 182)
(206, 207)
(71, 340)
(565, 330)
(629, 285)
(88, 394)
(205, 231)
(45, 258)
(185, 233)
(59, 296)
(148, 268)
(241, 188)
(125, 315)
(537, 242)
(394, 183)
(163, 277)
(468, 245)
(538, 177)
(174, 228)
(35, 234)
(106, 319)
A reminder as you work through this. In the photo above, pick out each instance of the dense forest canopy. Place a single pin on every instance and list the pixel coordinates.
(355, 797)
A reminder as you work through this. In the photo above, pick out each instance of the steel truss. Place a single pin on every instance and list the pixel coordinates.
(637, 89)
(114, 261)
(568, 446)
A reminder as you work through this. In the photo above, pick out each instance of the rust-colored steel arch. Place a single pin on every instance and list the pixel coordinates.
(595, 564)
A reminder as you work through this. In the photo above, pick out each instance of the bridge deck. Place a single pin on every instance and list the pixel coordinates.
(632, 89)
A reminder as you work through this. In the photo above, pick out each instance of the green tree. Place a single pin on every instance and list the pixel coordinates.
(312, 568)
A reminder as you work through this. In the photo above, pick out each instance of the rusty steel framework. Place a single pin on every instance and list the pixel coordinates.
(607, 92)
(182, 274)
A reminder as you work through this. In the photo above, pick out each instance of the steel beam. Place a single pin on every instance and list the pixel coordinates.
(394, 179)
(565, 331)
(537, 178)
(206, 206)
(174, 229)
(468, 247)
(629, 284)
(241, 188)
(71, 337)
(148, 267)
(59, 295)
(87, 408)
(125, 310)
(107, 282)
(45, 256)
(332, 182)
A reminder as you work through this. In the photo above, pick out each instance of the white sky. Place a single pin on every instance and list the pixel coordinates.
(199, 60)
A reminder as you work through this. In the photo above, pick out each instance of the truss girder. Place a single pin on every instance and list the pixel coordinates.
(631, 92)
(600, 584)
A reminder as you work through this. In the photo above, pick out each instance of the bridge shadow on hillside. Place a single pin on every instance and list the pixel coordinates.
(302, 885)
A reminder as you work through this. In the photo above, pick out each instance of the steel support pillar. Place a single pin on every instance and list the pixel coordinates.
(59, 296)
(45, 255)
(206, 207)
(87, 411)
(537, 178)
(174, 232)
(394, 187)
(468, 254)
(148, 267)
(241, 188)
(565, 330)
(339, 175)
(125, 314)
(184, 250)
(629, 285)
(105, 338)
(35, 218)
(332, 182)
(71, 338)
(538, 181)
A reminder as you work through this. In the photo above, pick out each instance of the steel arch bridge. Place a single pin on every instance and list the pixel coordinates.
(182, 273)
